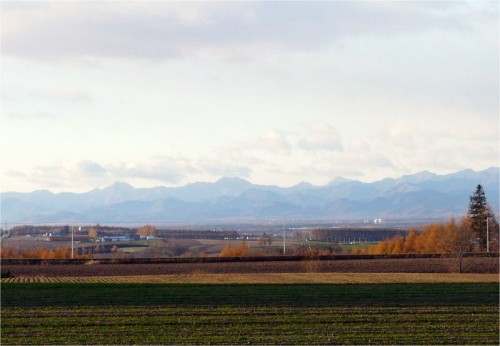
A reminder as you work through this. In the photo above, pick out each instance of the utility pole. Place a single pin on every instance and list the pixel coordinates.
(487, 234)
(4, 234)
(72, 242)
(284, 239)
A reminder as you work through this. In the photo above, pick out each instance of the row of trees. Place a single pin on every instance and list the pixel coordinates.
(344, 234)
(451, 237)
(95, 231)
(59, 253)
(478, 231)
(146, 230)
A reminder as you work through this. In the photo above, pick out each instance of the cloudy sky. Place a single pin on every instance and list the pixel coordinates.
(168, 93)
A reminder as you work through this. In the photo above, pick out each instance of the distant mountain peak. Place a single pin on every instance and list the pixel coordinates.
(340, 180)
(232, 180)
(233, 183)
(303, 185)
(468, 173)
(117, 188)
(42, 192)
(120, 185)
(418, 177)
(421, 195)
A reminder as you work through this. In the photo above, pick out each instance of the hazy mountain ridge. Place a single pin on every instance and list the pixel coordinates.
(421, 195)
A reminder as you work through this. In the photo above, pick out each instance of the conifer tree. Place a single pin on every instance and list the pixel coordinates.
(478, 212)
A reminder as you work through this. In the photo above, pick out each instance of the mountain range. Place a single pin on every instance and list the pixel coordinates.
(423, 195)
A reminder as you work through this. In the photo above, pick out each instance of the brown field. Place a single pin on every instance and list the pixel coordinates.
(472, 265)
(270, 278)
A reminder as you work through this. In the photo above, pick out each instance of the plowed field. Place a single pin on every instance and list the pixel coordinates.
(269, 278)
(403, 265)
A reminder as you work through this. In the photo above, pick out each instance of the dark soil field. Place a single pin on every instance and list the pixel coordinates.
(401, 265)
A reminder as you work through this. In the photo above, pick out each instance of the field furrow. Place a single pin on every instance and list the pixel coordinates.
(268, 278)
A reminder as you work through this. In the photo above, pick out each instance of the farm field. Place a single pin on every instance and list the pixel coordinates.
(269, 278)
(113, 313)
(483, 265)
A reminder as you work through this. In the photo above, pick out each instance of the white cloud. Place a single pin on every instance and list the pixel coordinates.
(169, 170)
(358, 89)
(405, 135)
(15, 173)
(89, 169)
(274, 142)
(358, 159)
(29, 115)
(352, 162)
(221, 168)
(446, 148)
(61, 176)
(64, 95)
(88, 174)
(164, 30)
(152, 30)
(321, 136)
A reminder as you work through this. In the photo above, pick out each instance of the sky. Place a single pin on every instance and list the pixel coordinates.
(167, 93)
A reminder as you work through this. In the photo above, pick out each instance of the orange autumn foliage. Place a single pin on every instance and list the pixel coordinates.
(435, 238)
(59, 253)
(241, 250)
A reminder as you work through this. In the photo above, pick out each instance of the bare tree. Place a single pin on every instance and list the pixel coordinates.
(92, 233)
(263, 239)
(460, 240)
(147, 230)
(269, 240)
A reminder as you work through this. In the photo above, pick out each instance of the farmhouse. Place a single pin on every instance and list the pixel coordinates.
(113, 238)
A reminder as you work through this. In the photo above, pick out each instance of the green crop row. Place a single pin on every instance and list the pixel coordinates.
(84, 294)
(249, 314)
(235, 325)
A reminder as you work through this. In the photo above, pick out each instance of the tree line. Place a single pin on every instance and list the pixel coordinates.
(345, 234)
(476, 232)
(58, 253)
(99, 230)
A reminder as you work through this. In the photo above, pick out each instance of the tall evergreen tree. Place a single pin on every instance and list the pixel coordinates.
(478, 212)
